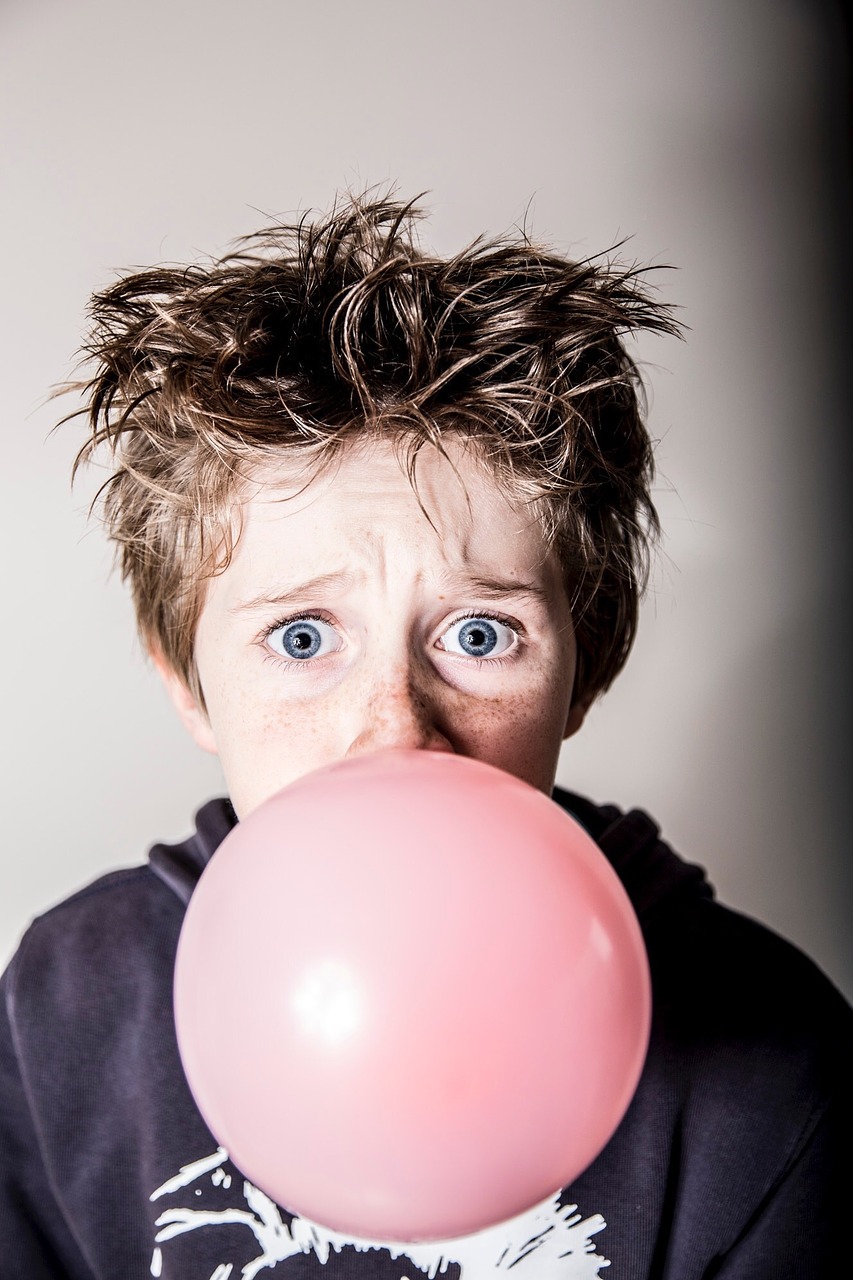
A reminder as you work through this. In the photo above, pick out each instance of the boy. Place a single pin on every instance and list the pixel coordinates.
(366, 498)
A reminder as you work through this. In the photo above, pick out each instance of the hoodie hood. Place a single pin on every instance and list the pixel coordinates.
(654, 877)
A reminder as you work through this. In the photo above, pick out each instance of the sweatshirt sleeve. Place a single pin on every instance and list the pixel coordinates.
(35, 1240)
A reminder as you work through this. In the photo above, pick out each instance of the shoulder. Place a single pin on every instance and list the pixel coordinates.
(709, 959)
(751, 1042)
(109, 933)
(733, 1001)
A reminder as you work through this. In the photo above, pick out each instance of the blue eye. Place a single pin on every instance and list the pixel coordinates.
(478, 638)
(303, 638)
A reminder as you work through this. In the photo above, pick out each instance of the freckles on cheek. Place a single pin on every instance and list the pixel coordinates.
(520, 732)
(510, 722)
(293, 735)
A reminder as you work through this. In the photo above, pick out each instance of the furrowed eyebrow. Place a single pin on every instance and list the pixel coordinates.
(299, 593)
(500, 588)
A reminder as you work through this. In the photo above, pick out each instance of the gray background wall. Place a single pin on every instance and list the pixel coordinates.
(704, 129)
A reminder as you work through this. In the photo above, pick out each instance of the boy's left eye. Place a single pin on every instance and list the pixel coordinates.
(478, 638)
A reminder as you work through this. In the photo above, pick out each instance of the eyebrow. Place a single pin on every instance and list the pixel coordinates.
(487, 588)
(297, 593)
(500, 588)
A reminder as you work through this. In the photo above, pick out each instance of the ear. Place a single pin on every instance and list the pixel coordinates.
(193, 715)
(576, 717)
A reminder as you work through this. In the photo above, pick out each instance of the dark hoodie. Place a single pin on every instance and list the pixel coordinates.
(732, 1161)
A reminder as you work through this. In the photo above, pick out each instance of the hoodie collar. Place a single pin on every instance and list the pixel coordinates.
(653, 876)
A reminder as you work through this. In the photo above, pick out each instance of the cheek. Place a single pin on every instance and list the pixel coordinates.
(522, 730)
(519, 733)
(265, 731)
(269, 743)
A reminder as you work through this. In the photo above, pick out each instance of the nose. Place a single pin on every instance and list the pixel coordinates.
(395, 711)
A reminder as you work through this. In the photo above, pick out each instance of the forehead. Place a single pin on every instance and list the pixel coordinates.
(452, 511)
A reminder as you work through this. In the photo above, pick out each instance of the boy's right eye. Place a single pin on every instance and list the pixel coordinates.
(302, 638)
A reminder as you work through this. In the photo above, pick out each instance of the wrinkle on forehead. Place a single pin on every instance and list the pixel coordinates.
(475, 527)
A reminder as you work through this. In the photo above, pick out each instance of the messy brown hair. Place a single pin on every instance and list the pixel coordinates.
(312, 335)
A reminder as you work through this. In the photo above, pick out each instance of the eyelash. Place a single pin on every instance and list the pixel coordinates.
(290, 663)
(513, 626)
(315, 616)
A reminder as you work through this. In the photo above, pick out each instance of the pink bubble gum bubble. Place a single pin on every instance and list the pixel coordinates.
(411, 996)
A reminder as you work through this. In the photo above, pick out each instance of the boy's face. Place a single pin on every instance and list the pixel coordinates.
(346, 622)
